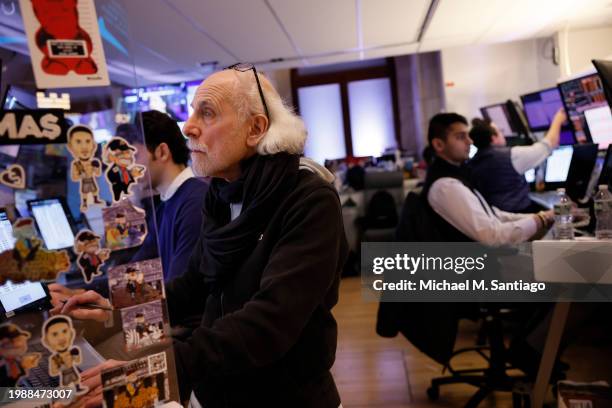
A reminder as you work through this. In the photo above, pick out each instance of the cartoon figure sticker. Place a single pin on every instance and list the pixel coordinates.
(84, 167)
(28, 260)
(139, 383)
(15, 361)
(64, 43)
(125, 225)
(143, 325)
(122, 173)
(58, 337)
(90, 256)
(13, 177)
(136, 283)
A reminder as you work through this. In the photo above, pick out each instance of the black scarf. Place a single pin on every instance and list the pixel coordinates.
(264, 181)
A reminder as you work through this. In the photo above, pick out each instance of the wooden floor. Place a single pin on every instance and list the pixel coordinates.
(370, 370)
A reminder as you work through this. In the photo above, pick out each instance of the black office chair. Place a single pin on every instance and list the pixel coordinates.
(383, 196)
(494, 375)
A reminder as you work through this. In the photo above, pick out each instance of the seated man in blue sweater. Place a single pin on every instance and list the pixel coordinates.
(179, 216)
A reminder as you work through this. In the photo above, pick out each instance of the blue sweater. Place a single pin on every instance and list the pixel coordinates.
(179, 221)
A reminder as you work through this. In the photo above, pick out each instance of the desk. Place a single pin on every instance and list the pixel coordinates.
(547, 258)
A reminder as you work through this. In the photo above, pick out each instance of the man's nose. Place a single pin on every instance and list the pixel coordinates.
(190, 129)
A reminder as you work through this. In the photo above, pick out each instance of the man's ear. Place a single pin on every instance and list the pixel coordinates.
(257, 130)
(162, 152)
(437, 144)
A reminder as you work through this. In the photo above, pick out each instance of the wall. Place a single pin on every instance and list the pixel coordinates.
(476, 76)
(579, 47)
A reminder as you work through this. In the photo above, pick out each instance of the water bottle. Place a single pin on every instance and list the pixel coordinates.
(563, 216)
(603, 213)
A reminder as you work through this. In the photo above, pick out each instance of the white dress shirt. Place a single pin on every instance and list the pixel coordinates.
(166, 193)
(456, 204)
(528, 157)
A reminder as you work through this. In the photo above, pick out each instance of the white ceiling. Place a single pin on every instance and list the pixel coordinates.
(167, 40)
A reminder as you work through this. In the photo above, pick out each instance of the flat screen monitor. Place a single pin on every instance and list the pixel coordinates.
(599, 121)
(473, 151)
(499, 115)
(506, 117)
(558, 164)
(7, 240)
(604, 68)
(190, 88)
(540, 109)
(581, 168)
(579, 95)
(25, 296)
(530, 176)
(605, 177)
(169, 98)
(53, 221)
(18, 98)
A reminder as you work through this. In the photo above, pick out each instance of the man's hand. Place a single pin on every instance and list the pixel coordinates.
(554, 132)
(560, 117)
(75, 307)
(60, 295)
(544, 220)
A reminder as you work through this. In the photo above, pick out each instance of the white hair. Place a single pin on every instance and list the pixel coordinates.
(286, 131)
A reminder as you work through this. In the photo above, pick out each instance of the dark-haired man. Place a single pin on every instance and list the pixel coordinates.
(462, 213)
(179, 216)
(498, 172)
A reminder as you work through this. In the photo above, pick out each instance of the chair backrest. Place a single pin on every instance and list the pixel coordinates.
(381, 211)
(390, 181)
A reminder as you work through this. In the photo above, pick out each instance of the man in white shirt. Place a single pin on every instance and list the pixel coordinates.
(498, 172)
(463, 213)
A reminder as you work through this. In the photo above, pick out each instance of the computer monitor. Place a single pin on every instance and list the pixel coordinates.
(599, 121)
(7, 240)
(23, 297)
(506, 117)
(558, 164)
(18, 98)
(604, 68)
(581, 167)
(191, 88)
(605, 177)
(579, 95)
(540, 109)
(168, 98)
(54, 222)
(530, 176)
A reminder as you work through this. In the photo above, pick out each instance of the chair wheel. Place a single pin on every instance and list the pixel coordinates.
(433, 393)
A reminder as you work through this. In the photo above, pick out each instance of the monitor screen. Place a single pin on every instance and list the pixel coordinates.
(557, 165)
(599, 121)
(579, 95)
(52, 223)
(17, 98)
(17, 295)
(499, 115)
(191, 89)
(540, 108)
(530, 176)
(473, 151)
(7, 240)
(170, 99)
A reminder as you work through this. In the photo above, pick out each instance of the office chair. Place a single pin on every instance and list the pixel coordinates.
(383, 197)
(494, 376)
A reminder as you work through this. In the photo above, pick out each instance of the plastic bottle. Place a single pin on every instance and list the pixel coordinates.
(563, 216)
(603, 213)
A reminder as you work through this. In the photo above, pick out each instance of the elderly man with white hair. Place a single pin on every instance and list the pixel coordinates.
(266, 269)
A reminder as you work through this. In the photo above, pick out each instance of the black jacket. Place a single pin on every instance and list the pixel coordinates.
(269, 338)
